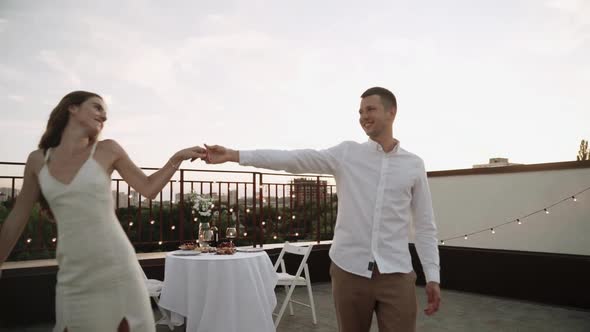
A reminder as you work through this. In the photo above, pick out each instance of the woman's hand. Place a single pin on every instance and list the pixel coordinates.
(193, 153)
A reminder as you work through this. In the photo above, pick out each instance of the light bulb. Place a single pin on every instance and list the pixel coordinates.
(160, 243)
(231, 210)
(442, 242)
(152, 222)
(493, 231)
(465, 237)
(293, 217)
(518, 221)
(130, 223)
(29, 240)
(574, 198)
(173, 227)
(546, 211)
(279, 217)
(54, 240)
(296, 234)
(245, 234)
(274, 237)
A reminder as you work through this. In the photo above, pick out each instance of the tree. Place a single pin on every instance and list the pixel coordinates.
(584, 153)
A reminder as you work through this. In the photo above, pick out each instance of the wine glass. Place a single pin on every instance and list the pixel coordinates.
(231, 234)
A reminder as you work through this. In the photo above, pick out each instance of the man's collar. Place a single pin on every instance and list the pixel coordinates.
(377, 147)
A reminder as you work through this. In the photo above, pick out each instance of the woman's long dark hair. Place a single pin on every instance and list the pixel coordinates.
(58, 119)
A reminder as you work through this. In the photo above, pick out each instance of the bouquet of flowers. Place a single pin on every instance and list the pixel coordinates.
(202, 207)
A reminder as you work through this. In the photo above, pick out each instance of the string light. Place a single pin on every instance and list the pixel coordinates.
(54, 240)
(231, 210)
(130, 223)
(247, 210)
(518, 221)
(274, 237)
(245, 234)
(173, 227)
(263, 223)
(160, 243)
(296, 234)
(279, 217)
(293, 217)
(152, 222)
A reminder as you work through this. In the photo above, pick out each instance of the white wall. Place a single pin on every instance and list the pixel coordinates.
(467, 203)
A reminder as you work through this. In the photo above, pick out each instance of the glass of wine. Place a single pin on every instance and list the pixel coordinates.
(231, 234)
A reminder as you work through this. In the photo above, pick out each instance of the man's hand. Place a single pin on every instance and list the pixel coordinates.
(433, 294)
(217, 154)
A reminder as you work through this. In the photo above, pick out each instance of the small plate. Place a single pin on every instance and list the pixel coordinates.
(186, 253)
(250, 249)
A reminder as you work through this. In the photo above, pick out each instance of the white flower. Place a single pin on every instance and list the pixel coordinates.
(202, 205)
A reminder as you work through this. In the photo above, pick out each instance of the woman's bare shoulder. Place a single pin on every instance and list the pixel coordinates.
(110, 145)
(36, 160)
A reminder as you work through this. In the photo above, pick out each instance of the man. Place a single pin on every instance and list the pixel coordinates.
(381, 189)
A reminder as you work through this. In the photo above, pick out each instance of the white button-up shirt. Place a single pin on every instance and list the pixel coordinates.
(379, 194)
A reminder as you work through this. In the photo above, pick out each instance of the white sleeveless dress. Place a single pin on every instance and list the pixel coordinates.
(99, 281)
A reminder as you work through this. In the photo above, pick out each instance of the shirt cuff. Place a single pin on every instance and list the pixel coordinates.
(244, 157)
(432, 274)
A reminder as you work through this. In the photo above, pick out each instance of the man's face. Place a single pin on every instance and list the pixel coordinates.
(373, 117)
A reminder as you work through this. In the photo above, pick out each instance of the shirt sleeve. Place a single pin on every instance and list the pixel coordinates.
(426, 232)
(295, 161)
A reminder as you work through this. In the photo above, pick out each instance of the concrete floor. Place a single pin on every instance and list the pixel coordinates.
(459, 312)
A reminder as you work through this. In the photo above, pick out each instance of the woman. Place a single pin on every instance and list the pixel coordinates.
(100, 284)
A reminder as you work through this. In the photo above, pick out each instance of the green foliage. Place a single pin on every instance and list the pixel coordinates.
(172, 224)
(583, 153)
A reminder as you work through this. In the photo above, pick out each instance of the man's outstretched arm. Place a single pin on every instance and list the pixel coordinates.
(293, 161)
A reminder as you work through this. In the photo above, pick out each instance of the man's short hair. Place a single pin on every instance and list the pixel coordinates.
(387, 97)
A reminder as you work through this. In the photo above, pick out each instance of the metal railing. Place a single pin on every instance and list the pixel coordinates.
(265, 208)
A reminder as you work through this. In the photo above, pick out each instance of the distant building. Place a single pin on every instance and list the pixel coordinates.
(496, 162)
(306, 190)
(126, 200)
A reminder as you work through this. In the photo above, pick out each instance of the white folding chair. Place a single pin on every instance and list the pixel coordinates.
(291, 281)
(154, 287)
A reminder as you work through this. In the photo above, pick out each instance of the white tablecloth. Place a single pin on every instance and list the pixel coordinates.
(220, 293)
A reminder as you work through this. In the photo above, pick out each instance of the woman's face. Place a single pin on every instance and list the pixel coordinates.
(91, 115)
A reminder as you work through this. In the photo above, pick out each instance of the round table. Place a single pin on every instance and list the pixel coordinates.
(220, 292)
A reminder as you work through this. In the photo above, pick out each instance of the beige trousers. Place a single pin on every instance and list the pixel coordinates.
(391, 296)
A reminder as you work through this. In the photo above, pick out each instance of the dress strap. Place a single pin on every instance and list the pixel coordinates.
(93, 149)
(47, 153)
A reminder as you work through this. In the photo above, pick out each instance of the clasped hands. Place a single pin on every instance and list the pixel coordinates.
(217, 154)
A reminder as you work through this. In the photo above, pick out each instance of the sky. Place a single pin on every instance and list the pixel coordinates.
(473, 79)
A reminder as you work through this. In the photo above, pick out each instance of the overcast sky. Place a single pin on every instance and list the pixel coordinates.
(474, 79)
